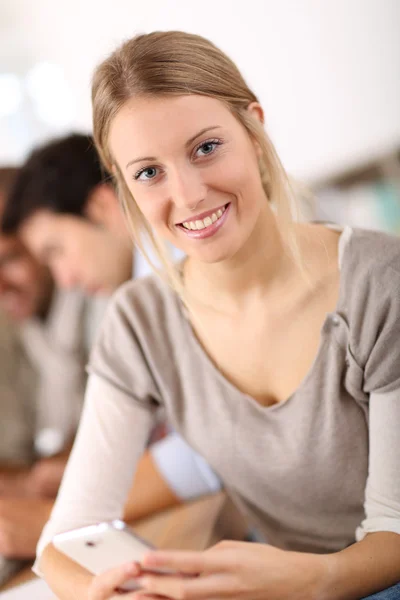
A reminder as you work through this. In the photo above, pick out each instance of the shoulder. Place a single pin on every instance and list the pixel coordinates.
(145, 302)
(139, 330)
(371, 301)
(374, 253)
(7, 329)
(370, 271)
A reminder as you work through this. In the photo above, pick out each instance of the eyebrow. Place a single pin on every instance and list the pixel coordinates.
(188, 143)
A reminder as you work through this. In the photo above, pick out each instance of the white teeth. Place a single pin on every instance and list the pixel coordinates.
(202, 224)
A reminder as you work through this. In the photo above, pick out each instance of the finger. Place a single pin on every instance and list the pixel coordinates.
(144, 596)
(138, 596)
(224, 545)
(183, 562)
(194, 588)
(104, 585)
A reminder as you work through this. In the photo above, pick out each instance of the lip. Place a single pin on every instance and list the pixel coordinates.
(211, 229)
(202, 215)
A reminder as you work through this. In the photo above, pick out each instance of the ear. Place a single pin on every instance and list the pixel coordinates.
(101, 205)
(256, 111)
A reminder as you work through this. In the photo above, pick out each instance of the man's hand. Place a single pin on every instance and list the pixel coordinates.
(41, 480)
(45, 476)
(21, 523)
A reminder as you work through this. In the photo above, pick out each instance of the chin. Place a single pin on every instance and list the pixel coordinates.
(214, 256)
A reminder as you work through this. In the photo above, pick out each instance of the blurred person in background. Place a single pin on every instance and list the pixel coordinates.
(16, 300)
(35, 357)
(42, 371)
(70, 218)
(60, 187)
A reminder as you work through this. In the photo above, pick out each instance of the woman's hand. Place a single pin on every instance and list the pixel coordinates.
(237, 570)
(107, 586)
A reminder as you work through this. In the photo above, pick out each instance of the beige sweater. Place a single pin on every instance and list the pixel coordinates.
(57, 349)
(16, 406)
(42, 376)
(300, 470)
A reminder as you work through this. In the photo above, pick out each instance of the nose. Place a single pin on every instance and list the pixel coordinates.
(187, 188)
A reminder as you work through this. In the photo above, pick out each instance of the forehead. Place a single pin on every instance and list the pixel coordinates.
(39, 230)
(152, 125)
(41, 223)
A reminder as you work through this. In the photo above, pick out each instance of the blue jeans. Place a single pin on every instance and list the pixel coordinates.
(392, 593)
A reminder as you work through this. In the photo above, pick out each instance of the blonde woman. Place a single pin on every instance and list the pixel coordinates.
(274, 348)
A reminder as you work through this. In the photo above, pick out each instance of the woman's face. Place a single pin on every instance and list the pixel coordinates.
(193, 171)
(78, 253)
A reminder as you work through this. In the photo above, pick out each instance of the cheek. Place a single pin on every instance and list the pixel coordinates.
(76, 252)
(236, 174)
(153, 204)
(18, 273)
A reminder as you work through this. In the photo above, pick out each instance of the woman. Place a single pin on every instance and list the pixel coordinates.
(274, 349)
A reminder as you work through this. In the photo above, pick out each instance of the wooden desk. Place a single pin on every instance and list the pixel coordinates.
(192, 526)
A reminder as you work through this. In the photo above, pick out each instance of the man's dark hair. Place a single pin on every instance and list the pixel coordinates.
(58, 176)
(7, 178)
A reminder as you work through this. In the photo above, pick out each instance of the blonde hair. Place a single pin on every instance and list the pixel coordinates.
(175, 63)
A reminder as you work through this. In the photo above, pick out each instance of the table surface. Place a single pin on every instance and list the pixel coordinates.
(192, 526)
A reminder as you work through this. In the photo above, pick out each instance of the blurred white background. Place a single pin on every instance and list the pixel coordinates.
(326, 71)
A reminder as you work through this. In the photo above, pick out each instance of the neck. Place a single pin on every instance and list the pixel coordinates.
(46, 300)
(262, 267)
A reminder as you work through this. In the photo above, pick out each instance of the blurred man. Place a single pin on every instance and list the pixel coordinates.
(42, 375)
(16, 423)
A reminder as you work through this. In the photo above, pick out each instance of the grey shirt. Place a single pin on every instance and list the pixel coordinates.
(300, 470)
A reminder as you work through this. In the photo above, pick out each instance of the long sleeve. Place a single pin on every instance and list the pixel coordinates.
(111, 438)
(382, 498)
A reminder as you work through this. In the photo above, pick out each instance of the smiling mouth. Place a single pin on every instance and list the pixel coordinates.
(199, 224)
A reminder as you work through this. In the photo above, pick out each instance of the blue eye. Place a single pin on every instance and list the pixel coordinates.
(148, 172)
(207, 148)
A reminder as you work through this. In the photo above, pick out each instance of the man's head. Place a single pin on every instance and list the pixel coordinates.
(69, 217)
(25, 285)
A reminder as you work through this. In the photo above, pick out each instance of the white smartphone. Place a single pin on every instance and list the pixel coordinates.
(100, 547)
